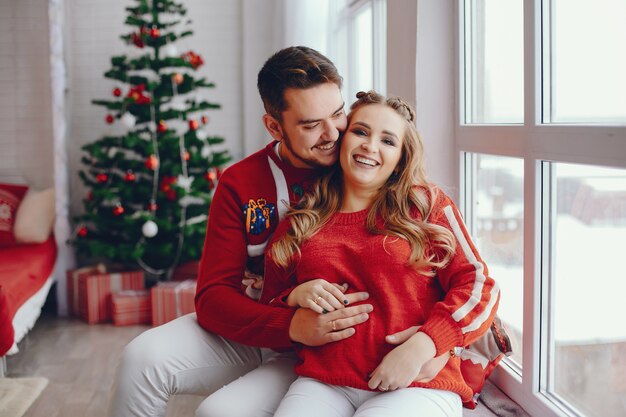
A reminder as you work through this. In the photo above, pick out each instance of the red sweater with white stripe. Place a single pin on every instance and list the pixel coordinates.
(246, 207)
(454, 308)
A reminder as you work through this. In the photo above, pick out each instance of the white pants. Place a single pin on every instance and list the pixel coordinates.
(182, 358)
(309, 397)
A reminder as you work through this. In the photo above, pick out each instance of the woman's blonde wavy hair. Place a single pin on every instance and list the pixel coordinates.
(431, 245)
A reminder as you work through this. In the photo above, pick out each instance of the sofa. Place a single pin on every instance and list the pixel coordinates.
(28, 253)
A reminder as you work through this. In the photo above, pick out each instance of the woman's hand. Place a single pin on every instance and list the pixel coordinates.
(318, 295)
(400, 367)
(431, 368)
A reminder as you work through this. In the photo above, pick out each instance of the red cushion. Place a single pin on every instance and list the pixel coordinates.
(10, 197)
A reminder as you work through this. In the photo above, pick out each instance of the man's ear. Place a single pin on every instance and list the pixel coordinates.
(273, 127)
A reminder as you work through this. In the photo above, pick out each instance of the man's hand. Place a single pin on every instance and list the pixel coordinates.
(431, 368)
(313, 329)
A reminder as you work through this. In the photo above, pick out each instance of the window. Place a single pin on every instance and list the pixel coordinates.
(542, 138)
(494, 72)
(494, 213)
(587, 341)
(583, 69)
(357, 45)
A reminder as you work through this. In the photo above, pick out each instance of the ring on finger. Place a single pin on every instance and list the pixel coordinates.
(317, 300)
(333, 324)
(383, 389)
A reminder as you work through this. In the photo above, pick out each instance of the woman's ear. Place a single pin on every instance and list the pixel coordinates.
(273, 127)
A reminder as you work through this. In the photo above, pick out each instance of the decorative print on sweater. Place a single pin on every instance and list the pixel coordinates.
(259, 215)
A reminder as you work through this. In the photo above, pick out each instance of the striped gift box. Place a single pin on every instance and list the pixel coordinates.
(73, 276)
(95, 293)
(130, 307)
(172, 299)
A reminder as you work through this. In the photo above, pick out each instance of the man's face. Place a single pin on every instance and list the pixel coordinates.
(311, 126)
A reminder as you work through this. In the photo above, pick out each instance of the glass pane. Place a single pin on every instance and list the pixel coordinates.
(494, 61)
(588, 337)
(363, 50)
(588, 61)
(499, 233)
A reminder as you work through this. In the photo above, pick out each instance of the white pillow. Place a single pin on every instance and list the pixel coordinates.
(35, 217)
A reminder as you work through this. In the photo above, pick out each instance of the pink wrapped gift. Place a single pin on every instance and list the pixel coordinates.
(95, 292)
(73, 275)
(131, 307)
(171, 300)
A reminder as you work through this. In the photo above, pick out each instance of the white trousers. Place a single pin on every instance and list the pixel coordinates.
(182, 358)
(309, 397)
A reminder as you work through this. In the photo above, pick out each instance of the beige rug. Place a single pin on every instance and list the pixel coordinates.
(18, 394)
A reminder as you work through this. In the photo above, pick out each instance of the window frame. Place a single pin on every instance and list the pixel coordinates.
(538, 145)
(346, 50)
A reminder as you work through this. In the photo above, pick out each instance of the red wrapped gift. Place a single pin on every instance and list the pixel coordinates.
(73, 276)
(172, 299)
(95, 292)
(130, 307)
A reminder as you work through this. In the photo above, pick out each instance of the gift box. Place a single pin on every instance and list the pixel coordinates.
(94, 293)
(131, 307)
(73, 276)
(171, 300)
(185, 271)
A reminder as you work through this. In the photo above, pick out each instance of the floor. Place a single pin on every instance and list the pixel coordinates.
(79, 361)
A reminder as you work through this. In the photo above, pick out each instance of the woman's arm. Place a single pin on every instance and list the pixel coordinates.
(471, 295)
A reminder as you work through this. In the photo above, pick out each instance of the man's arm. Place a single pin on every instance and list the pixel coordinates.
(221, 306)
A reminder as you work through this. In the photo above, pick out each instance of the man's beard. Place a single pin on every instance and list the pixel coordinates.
(310, 162)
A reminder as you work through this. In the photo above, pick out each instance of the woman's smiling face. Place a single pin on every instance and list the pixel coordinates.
(371, 146)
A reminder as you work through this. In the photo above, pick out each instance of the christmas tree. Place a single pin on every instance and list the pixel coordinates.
(151, 183)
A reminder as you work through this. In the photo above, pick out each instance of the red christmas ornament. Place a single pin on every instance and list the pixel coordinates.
(130, 176)
(154, 32)
(118, 210)
(178, 78)
(211, 176)
(153, 206)
(193, 124)
(82, 231)
(171, 195)
(137, 39)
(117, 92)
(152, 162)
(162, 127)
(205, 120)
(166, 183)
(192, 58)
(109, 119)
(102, 178)
(137, 94)
(186, 156)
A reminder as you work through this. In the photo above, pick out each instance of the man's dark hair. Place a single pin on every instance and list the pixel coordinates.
(294, 67)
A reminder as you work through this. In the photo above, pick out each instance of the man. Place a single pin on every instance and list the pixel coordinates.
(300, 89)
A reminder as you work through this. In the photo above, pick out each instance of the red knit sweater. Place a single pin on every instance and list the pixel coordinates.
(244, 213)
(454, 308)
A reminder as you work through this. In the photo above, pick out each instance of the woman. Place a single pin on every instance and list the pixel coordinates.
(377, 224)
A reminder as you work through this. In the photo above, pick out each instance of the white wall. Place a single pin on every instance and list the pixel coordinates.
(25, 107)
(94, 27)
